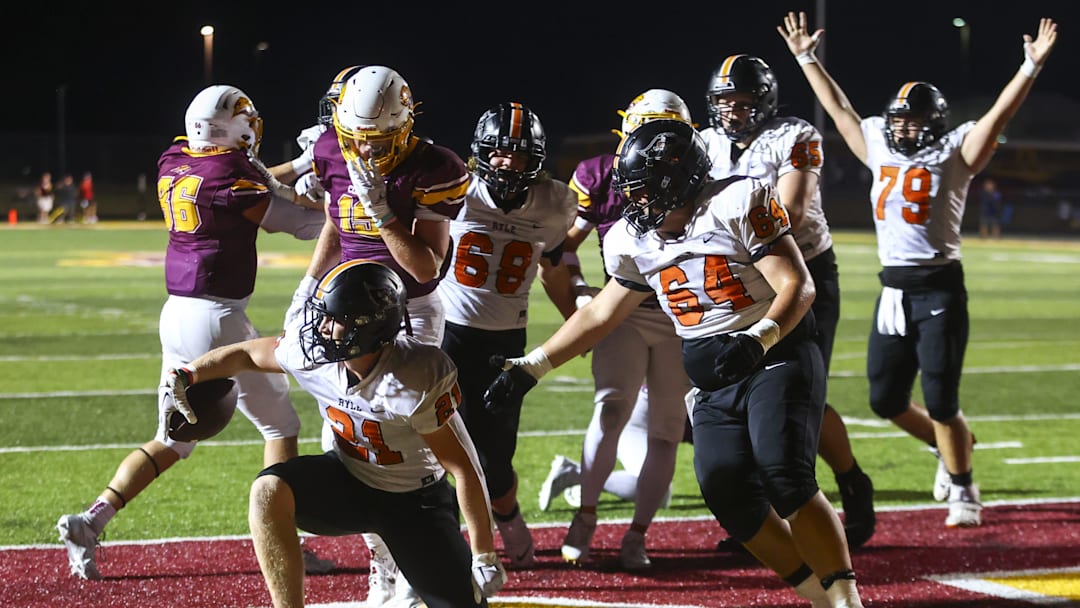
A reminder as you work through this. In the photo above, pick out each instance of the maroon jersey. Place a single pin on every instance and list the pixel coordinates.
(429, 184)
(211, 244)
(599, 203)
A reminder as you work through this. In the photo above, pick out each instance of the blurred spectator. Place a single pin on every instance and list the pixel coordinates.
(65, 199)
(89, 206)
(44, 192)
(990, 210)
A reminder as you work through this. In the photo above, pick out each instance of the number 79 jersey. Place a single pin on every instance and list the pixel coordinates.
(918, 200)
(496, 253)
(706, 280)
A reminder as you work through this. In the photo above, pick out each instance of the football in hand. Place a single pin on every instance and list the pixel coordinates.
(214, 402)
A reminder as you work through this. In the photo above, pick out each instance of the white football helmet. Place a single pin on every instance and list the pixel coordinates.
(375, 109)
(223, 116)
(652, 105)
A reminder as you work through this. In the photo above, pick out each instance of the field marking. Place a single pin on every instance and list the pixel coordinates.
(933, 506)
(1035, 586)
(1043, 460)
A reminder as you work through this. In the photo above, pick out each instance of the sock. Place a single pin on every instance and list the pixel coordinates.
(850, 475)
(961, 479)
(99, 514)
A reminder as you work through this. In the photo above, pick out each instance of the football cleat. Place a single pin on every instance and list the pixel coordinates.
(632, 554)
(575, 546)
(965, 510)
(382, 577)
(572, 496)
(517, 542)
(942, 479)
(564, 474)
(81, 542)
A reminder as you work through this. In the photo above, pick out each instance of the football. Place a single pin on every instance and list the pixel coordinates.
(214, 402)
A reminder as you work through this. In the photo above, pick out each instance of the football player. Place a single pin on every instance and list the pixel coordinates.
(389, 197)
(719, 257)
(509, 232)
(392, 402)
(640, 426)
(921, 171)
(214, 201)
(746, 137)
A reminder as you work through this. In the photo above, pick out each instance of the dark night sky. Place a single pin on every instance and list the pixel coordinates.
(133, 70)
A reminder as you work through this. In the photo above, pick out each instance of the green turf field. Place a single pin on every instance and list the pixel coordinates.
(80, 360)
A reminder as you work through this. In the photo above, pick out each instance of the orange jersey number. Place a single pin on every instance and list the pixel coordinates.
(471, 263)
(370, 430)
(916, 189)
(720, 286)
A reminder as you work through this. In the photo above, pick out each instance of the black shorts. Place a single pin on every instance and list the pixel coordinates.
(826, 304)
(422, 528)
(936, 311)
(494, 435)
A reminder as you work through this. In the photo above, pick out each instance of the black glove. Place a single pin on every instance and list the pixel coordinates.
(738, 359)
(509, 386)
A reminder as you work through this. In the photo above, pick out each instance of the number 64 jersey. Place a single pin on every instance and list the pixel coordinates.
(706, 280)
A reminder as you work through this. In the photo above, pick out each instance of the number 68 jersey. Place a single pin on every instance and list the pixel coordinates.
(706, 280)
(496, 253)
(919, 199)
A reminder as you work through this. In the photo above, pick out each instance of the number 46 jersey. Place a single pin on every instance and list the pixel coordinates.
(706, 280)
(496, 253)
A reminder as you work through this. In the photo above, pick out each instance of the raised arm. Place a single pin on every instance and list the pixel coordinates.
(802, 44)
(979, 143)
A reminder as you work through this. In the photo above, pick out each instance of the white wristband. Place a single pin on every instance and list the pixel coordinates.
(765, 331)
(578, 281)
(1029, 68)
(806, 57)
(535, 363)
(307, 286)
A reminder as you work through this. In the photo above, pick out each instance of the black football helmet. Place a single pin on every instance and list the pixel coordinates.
(919, 101)
(366, 297)
(511, 127)
(659, 167)
(330, 99)
(743, 74)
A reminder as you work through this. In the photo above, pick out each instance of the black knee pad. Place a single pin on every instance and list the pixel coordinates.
(741, 518)
(888, 406)
(788, 487)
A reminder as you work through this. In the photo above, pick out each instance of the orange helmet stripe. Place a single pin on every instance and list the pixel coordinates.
(517, 119)
(905, 91)
(334, 272)
(725, 68)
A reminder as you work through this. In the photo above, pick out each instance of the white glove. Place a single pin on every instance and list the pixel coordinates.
(585, 294)
(179, 380)
(370, 188)
(310, 186)
(489, 576)
(307, 137)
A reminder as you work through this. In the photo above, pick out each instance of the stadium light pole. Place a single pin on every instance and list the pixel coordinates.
(207, 32)
(965, 49)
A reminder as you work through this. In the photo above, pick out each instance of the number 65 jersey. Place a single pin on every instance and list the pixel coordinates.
(918, 200)
(706, 280)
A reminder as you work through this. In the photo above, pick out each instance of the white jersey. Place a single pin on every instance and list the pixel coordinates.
(783, 145)
(496, 254)
(706, 280)
(411, 391)
(918, 200)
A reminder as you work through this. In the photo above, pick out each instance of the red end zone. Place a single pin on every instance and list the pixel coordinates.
(895, 568)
